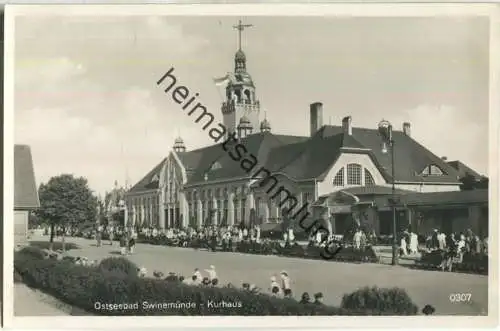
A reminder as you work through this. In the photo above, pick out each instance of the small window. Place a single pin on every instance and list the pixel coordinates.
(354, 174)
(369, 178)
(155, 178)
(339, 178)
(432, 170)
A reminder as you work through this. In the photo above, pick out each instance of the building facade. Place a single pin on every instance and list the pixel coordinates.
(25, 192)
(219, 185)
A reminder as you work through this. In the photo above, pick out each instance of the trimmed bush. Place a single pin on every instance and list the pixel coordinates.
(34, 252)
(391, 301)
(119, 265)
(90, 289)
(17, 277)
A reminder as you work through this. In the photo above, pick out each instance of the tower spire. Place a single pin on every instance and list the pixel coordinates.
(240, 27)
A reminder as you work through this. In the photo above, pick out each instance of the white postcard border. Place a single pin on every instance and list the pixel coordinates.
(340, 10)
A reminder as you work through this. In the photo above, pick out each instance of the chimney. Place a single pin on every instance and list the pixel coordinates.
(316, 117)
(444, 158)
(407, 128)
(346, 125)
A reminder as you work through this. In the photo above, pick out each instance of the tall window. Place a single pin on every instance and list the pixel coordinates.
(369, 178)
(354, 174)
(339, 178)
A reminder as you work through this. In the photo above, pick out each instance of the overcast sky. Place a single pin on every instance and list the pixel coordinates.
(87, 103)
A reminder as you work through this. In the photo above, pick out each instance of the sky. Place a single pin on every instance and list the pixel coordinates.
(86, 99)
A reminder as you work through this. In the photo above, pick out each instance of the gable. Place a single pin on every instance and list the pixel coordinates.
(150, 181)
(25, 189)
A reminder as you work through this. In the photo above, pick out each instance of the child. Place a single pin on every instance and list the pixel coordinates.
(123, 245)
(212, 276)
(305, 298)
(275, 287)
(131, 244)
(318, 298)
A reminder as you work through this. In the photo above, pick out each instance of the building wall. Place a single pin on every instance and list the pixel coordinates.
(20, 226)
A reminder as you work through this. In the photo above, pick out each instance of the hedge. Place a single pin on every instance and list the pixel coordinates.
(348, 253)
(393, 299)
(84, 287)
(476, 263)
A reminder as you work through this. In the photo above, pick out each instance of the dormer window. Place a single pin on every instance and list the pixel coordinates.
(155, 178)
(432, 170)
(215, 166)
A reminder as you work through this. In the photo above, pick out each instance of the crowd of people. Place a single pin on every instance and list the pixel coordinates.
(453, 246)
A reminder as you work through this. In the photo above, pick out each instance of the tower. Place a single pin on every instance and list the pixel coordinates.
(240, 103)
(179, 145)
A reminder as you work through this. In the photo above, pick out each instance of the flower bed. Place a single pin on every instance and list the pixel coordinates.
(476, 263)
(91, 289)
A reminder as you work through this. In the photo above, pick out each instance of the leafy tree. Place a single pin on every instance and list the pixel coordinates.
(470, 182)
(65, 201)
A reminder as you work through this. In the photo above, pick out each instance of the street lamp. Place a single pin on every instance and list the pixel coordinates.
(385, 131)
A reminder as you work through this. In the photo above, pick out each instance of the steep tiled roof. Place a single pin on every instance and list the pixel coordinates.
(447, 198)
(147, 182)
(304, 158)
(440, 199)
(463, 169)
(25, 190)
(375, 190)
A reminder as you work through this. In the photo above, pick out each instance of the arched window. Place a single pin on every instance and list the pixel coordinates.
(339, 178)
(354, 174)
(369, 178)
(216, 165)
(432, 170)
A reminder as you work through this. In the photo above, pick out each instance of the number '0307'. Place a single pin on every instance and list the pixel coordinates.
(460, 297)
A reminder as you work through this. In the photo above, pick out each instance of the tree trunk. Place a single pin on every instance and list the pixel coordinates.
(52, 234)
(63, 241)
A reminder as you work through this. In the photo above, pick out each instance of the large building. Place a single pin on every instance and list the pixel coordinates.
(25, 192)
(219, 185)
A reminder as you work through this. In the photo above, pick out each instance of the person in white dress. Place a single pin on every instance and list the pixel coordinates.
(357, 239)
(291, 235)
(275, 287)
(413, 243)
(197, 277)
(441, 237)
(404, 250)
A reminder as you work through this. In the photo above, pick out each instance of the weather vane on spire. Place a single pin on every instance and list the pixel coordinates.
(240, 27)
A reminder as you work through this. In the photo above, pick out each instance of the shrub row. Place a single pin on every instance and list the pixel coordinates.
(86, 287)
(475, 263)
(274, 248)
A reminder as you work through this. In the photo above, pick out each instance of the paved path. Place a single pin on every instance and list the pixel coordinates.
(28, 302)
(332, 278)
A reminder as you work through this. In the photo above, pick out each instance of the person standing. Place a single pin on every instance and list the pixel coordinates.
(413, 243)
(111, 234)
(318, 298)
(212, 276)
(305, 298)
(286, 286)
(123, 244)
(98, 235)
(275, 287)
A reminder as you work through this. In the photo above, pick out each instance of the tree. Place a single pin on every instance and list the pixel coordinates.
(64, 201)
(470, 182)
